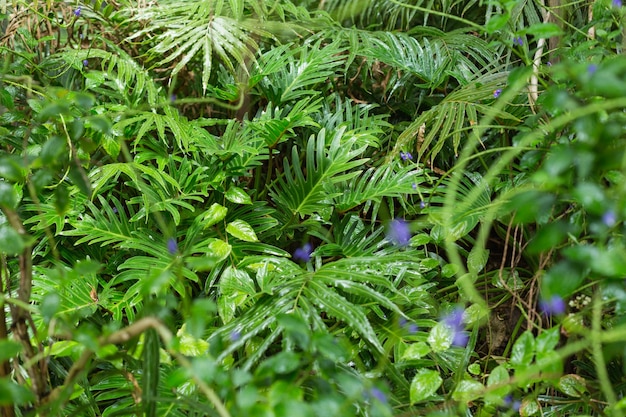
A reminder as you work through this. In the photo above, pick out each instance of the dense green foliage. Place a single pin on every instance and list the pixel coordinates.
(299, 208)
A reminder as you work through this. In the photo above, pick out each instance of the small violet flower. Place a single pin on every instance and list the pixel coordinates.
(423, 204)
(592, 68)
(398, 232)
(617, 3)
(235, 335)
(553, 306)
(609, 218)
(378, 394)
(172, 246)
(497, 93)
(518, 40)
(411, 328)
(454, 321)
(512, 403)
(173, 97)
(77, 11)
(406, 156)
(85, 62)
(303, 254)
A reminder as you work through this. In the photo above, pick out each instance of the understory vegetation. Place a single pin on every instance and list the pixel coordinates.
(312, 208)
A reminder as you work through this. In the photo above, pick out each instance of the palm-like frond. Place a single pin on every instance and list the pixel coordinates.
(304, 192)
(347, 290)
(185, 30)
(119, 75)
(458, 112)
(397, 15)
(292, 73)
(466, 217)
(360, 119)
(375, 183)
(431, 60)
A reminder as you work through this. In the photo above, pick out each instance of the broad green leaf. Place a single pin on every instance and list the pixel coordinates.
(8, 349)
(529, 407)
(424, 385)
(468, 390)
(497, 22)
(523, 350)
(235, 287)
(499, 376)
(440, 338)
(214, 214)
(237, 195)
(189, 345)
(543, 30)
(573, 385)
(241, 230)
(547, 340)
(415, 351)
(477, 259)
(14, 394)
(235, 281)
(8, 195)
(11, 242)
(63, 348)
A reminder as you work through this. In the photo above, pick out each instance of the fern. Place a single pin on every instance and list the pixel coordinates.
(294, 72)
(185, 30)
(457, 113)
(302, 193)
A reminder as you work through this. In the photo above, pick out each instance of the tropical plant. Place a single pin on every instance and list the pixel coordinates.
(281, 207)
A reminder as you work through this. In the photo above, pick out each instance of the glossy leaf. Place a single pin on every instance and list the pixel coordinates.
(424, 385)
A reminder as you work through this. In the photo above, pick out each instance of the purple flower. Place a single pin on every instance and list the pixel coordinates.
(554, 306)
(609, 218)
(549, 63)
(423, 204)
(85, 62)
(617, 3)
(512, 403)
(114, 210)
(235, 335)
(406, 156)
(410, 327)
(454, 321)
(398, 232)
(378, 394)
(414, 186)
(303, 254)
(592, 68)
(172, 246)
(497, 93)
(518, 41)
(77, 11)
(173, 97)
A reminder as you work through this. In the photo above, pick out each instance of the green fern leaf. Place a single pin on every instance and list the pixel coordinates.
(304, 194)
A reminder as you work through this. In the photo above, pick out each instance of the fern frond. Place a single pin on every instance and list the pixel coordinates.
(118, 74)
(305, 192)
(457, 113)
(186, 30)
(294, 72)
(375, 183)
